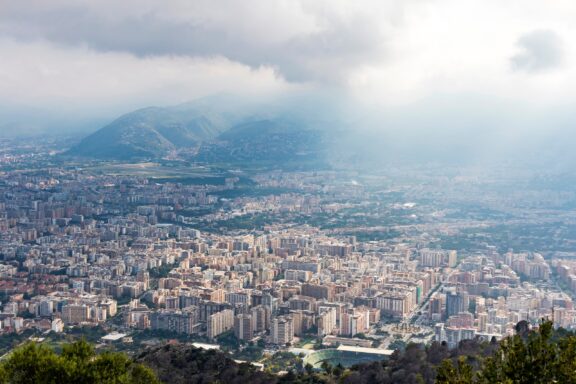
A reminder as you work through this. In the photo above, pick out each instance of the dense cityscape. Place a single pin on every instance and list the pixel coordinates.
(305, 262)
(287, 192)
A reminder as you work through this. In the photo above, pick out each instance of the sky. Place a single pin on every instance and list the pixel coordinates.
(472, 64)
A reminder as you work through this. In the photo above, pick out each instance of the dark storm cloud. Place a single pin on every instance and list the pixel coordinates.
(325, 54)
(139, 34)
(539, 51)
(328, 55)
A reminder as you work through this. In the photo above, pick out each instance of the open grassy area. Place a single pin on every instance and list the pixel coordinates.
(157, 170)
(306, 342)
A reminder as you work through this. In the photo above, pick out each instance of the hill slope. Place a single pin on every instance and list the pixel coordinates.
(217, 128)
(155, 131)
(152, 132)
(185, 364)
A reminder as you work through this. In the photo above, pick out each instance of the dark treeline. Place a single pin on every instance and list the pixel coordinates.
(540, 355)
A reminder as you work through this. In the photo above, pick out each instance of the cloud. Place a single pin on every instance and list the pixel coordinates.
(540, 50)
(301, 42)
(106, 57)
(81, 80)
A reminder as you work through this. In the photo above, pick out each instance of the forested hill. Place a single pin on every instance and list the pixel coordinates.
(180, 364)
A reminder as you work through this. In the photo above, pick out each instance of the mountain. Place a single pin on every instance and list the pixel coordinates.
(150, 132)
(216, 128)
(275, 140)
(155, 131)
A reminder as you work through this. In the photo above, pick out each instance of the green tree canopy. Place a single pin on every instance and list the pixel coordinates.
(78, 363)
(526, 358)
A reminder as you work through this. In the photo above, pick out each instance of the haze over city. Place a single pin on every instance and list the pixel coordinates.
(287, 191)
(498, 73)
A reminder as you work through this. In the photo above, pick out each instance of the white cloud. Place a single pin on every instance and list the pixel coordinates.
(114, 55)
(297, 40)
(72, 79)
(541, 50)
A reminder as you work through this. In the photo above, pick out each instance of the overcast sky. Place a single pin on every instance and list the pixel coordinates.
(104, 57)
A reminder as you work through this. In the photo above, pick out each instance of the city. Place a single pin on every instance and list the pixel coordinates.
(287, 192)
(256, 263)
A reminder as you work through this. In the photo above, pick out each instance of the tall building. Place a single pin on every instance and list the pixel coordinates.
(326, 321)
(208, 308)
(437, 258)
(75, 313)
(45, 308)
(452, 259)
(110, 306)
(302, 321)
(318, 291)
(435, 308)
(354, 321)
(282, 331)
(270, 301)
(482, 322)
(219, 323)
(244, 327)
(261, 316)
(144, 277)
(172, 302)
(176, 321)
(397, 304)
(242, 297)
(456, 302)
(431, 257)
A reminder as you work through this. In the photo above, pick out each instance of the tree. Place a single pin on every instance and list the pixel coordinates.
(534, 359)
(461, 374)
(338, 370)
(525, 358)
(78, 363)
(34, 364)
(566, 365)
(327, 367)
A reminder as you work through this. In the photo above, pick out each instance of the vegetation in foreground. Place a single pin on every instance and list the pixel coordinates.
(78, 363)
(543, 355)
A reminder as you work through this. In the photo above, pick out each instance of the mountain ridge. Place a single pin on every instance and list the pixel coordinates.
(218, 127)
(152, 132)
